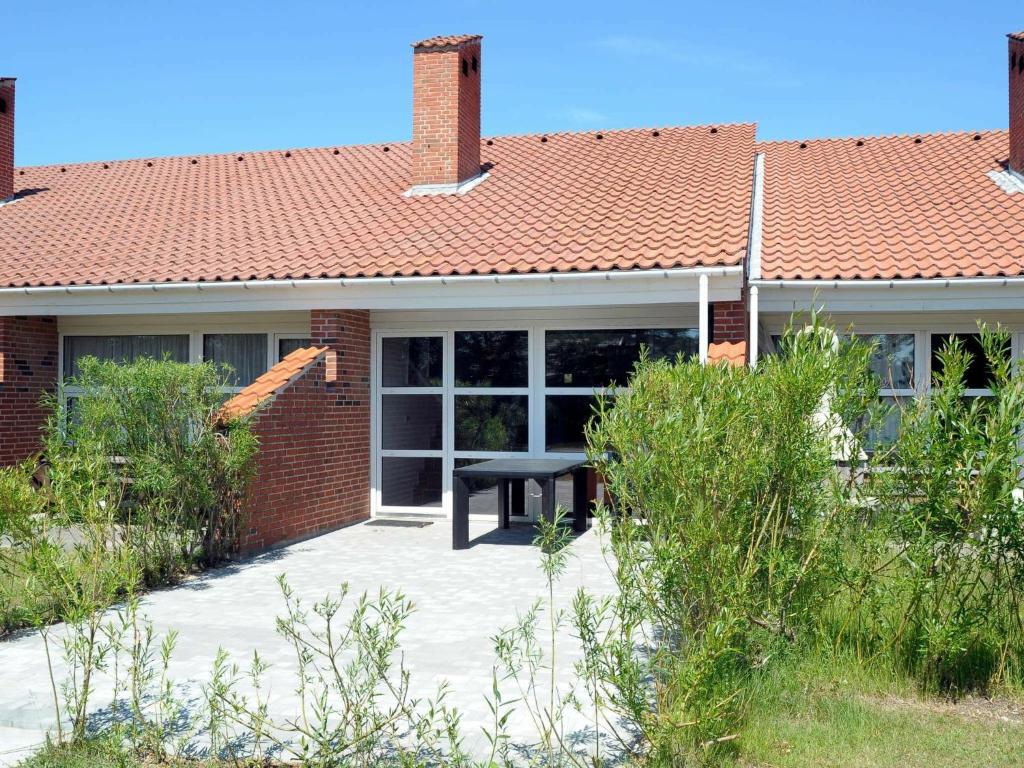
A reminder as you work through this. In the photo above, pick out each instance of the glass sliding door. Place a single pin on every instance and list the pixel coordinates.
(410, 425)
(491, 407)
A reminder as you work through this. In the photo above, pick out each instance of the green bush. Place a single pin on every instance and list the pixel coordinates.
(935, 572)
(727, 501)
(176, 475)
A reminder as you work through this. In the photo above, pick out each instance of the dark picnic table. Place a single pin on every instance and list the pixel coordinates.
(505, 471)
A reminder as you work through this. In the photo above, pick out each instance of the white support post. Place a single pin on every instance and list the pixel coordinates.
(703, 317)
(753, 326)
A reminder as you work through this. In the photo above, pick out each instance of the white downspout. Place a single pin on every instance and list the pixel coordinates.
(753, 326)
(702, 320)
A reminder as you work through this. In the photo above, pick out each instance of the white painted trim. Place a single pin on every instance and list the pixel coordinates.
(702, 317)
(754, 323)
(575, 289)
(756, 220)
(900, 296)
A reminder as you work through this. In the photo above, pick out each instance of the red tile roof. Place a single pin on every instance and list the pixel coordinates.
(731, 352)
(634, 199)
(890, 207)
(443, 41)
(267, 386)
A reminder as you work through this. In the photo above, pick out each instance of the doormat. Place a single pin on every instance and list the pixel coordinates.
(400, 523)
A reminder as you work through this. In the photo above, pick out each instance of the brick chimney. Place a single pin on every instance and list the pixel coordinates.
(445, 113)
(6, 137)
(1017, 102)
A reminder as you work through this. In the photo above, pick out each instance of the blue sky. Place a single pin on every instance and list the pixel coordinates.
(115, 80)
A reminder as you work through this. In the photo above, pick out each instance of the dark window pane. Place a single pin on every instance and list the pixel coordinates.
(244, 353)
(412, 361)
(601, 358)
(979, 373)
(411, 422)
(492, 359)
(564, 419)
(122, 349)
(893, 360)
(410, 482)
(492, 423)
(286, 346)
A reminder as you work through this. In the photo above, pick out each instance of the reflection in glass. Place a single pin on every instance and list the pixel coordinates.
(491, 359)
(564, 419)
(410, 482)
(411, 422)
(603, 358)
(492, 423)
(893, 360)
(412, 361)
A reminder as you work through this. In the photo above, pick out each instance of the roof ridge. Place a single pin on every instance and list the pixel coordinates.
(836, 139)
(378, 144)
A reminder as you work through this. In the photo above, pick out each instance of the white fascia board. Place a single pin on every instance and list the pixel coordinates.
(566, 289)
(910, 295)
(756, 220)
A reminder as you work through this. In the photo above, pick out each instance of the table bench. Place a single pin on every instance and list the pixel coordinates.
(542, 471)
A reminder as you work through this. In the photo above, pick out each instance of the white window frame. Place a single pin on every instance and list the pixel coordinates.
(275, 343)
(536, 392)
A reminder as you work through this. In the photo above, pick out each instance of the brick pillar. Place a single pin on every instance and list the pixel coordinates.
(729, 321)
(313, 468)
(28, 370)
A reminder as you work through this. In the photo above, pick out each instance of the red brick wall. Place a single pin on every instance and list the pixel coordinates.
(313, 470)
(729, 321)
(28, 368)
(1016, 55)
(446, 114)
(6, 137)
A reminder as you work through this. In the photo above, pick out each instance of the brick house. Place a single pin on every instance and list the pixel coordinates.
(403, 309)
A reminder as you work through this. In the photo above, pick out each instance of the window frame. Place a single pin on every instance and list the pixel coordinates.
(536, 390)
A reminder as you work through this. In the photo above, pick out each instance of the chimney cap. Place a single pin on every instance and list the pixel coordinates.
(446, 41)
(5, 80)
(1016, 36)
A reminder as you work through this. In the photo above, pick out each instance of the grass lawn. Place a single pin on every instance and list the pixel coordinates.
(814, 713)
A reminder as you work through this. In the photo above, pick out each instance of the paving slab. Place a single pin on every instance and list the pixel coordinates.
(462, 598)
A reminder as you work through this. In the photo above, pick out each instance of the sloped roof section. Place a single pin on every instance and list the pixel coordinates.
(634, 199)
(930, 206)
(267, 386)
(729, 352)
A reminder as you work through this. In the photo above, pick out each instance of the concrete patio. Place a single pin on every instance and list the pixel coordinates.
(462, 599)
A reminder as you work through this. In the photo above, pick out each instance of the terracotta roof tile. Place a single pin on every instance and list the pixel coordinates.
(732, 352)
(443, 41)
(633, 199)
(267, 386)
(890, 207)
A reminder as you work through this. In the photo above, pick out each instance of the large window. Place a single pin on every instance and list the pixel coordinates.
(579, 364)
(448, 397)
(411, 422)
(492, 395)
